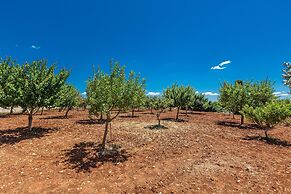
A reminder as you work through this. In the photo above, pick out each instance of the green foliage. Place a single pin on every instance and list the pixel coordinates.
(201, 103)
(39, 84)
(159, 104)
(109, 92)
(269, 115)
(68, 97)
(31, 86)
(233, 97)
(10, 90)
(180, 96)
(287, 74)
(260, 93)
(212, 107)
(136, 91)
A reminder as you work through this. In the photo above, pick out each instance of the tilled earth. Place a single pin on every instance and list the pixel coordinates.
(203, 153)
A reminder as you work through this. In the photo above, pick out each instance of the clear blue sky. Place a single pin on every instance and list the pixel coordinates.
(166, 41)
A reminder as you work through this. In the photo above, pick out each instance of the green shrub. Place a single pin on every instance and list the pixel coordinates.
(269, 115)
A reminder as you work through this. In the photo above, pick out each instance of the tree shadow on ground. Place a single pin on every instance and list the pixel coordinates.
(87, 155)
(55, 117)
(174, 120)
(13, 136)
(8, 115)
(270, 140)
(5, 115)
(193, 113)
(91, 121)
(128, 116)
(156, 127)
(237, 125)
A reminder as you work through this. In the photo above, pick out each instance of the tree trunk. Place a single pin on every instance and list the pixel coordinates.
(159, 120)
(152, 110)
(266, 133)
(242, 119)
(132, 112)
(170, 108)
(30, 120)
(68, 112)
(101, 117)
(187, 111)
(42, 111)
(105, 134)
(178, 110)
(233, 116)
(11, 110)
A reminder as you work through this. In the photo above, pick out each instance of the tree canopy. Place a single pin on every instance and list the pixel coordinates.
(109, 94)
(269, 115)
(180, 96)
(233, 97)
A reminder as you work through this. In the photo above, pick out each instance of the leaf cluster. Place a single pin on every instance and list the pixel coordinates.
(269, 115)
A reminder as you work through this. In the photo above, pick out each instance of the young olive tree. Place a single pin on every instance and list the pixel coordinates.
(233, 97)
(10, 90)
(149, 100)
(68, 97)
(269, 115)
(287, 74)
(107, 94)
(39, 83)
(159, 104)
(180, 96)
(136, 92)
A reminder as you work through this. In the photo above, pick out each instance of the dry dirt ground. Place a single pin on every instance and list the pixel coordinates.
(203, 153)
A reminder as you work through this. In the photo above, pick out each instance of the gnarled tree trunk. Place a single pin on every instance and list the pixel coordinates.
(68, 112)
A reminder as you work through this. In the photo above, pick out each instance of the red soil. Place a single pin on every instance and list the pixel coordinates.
(207, 153)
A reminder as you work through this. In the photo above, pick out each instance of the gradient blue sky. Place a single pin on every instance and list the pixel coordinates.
(166, 41)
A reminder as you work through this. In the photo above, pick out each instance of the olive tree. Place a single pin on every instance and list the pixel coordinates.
(68, 97)
(10, 90)
(233, 97)
(159, 104)
(149, 100)
(180, 96)
(136, 92)
(107, 94)
(39, 83)
(269, 115)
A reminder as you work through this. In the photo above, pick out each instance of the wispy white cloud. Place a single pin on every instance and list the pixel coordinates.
(35, 47)
(153, 93)
(84, 93)
(210, 94)
(220, 66)
(281, 94)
